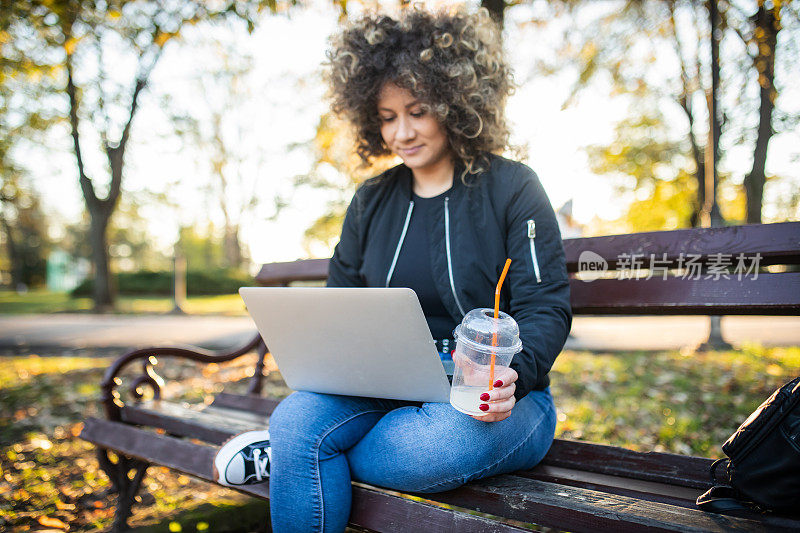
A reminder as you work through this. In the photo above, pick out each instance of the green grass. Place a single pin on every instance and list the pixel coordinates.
(676, 401)
(41, 301)
(37, 301)
(682, 402)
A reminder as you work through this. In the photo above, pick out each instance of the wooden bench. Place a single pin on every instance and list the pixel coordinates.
(579, 486)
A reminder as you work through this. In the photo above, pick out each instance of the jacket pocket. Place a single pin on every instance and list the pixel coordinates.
(532, 238)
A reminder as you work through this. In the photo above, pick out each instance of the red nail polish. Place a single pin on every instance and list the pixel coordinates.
(498, 383)
(484, 407)
(485, 396)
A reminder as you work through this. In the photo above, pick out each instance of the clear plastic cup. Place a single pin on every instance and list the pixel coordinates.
(478, 337)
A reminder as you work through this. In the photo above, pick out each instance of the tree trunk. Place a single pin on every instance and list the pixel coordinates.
(699, 175)
(232, 247)
(685, 102)
(710, 214)
(698, 156)
(102, 291)
(764, 62)
(13, 254)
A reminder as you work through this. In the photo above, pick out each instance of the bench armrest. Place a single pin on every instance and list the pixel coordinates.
(110, 397)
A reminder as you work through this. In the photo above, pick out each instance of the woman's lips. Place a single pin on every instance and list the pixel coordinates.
(411, 151)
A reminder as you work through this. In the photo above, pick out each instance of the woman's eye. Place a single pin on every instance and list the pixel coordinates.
(386, 119)
(418, 114)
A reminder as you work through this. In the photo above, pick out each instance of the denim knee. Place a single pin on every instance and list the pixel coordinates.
(290, 414)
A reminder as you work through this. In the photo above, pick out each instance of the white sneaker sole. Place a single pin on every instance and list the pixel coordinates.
(228, 451)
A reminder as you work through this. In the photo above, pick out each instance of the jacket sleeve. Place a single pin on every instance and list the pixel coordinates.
(344, 266)
(541, 306)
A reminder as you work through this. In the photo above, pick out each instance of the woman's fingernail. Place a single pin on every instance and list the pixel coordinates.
(484, 407)
(485, 396)
(498, 383)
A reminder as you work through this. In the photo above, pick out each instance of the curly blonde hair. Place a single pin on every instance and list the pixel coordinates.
(451, 60)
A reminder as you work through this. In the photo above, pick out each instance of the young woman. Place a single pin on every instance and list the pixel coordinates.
(430, 88)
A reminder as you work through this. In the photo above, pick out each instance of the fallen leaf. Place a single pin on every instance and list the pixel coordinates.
(48, 521)
(61, 506)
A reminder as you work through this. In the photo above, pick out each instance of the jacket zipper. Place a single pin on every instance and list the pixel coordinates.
(532, 237)
(447, 248)
(400, 242)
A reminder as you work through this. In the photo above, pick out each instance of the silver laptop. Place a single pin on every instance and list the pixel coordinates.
(371, 342)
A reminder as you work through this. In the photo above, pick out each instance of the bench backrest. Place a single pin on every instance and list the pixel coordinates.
(703, 271)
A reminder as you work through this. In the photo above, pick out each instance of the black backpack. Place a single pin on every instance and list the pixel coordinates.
(763, 463)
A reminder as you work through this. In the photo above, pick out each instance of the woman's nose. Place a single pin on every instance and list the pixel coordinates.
(405, 129)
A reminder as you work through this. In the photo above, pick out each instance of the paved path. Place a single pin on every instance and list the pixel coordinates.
(675, 332)
(122, 332)
(109, 332)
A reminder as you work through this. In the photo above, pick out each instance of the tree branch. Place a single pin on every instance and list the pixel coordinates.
(101, 103)
(85, 182)
(116, 154)
(685, 100)
(126, 132)
(141, 83)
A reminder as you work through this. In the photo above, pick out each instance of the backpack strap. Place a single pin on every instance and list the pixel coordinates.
(721, 499)
(713, 469)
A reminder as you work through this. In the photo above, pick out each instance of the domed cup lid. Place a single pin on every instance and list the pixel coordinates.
(478, 327)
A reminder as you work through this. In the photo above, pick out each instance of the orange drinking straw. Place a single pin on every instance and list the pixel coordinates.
(496, 316)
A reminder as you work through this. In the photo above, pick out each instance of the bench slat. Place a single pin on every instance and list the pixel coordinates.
(246, 402)
(624, 486)
(669, 468)
(582, 510)
(209, 425)
(645, 490)
(372, 508)
(769, 294)
(777, 243)
(288, 272)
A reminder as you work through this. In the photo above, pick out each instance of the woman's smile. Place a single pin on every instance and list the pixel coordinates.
(411, 151)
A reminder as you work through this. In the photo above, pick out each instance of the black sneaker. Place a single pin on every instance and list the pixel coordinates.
(243, 459)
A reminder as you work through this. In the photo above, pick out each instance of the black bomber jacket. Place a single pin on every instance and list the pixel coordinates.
(503, 212)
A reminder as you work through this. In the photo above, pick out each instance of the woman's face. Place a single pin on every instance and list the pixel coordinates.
(409, 131)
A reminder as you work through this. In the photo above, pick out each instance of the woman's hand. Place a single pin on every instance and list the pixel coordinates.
(500, 400)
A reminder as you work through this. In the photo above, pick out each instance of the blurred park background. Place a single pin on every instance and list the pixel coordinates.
(143, 138)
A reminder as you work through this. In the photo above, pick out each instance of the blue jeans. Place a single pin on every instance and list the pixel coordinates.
(322, 441)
